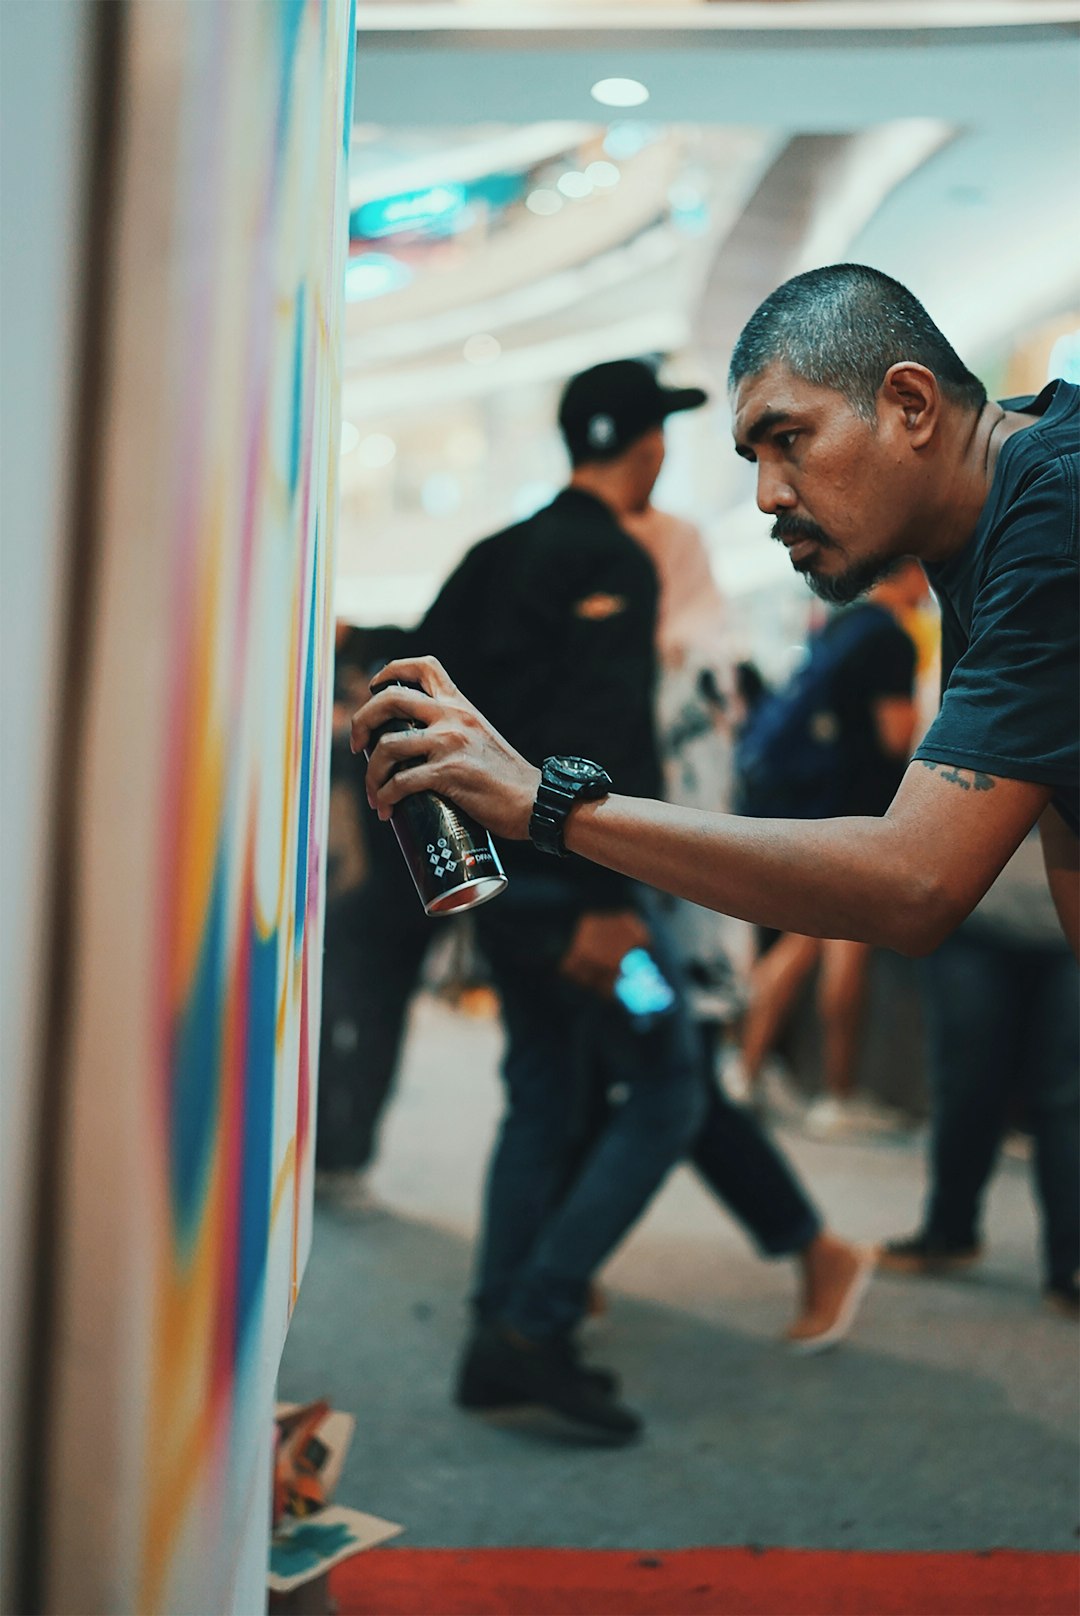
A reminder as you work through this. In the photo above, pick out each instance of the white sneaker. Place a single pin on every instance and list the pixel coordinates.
(734, 1079)
(346, 1189)
(776, 1094)
(830, 1118)
(833, 1330)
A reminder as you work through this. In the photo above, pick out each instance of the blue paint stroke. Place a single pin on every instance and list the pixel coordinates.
(350, 76)
(300, 898)
(309, 1547)
(256, 1186)
(195, 1079)
(292, 19)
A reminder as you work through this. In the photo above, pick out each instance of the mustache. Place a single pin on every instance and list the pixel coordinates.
(788, 529)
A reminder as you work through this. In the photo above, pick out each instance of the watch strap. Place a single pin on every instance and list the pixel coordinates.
(556, 796)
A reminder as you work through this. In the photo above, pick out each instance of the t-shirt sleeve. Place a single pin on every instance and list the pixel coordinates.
(1011, 704)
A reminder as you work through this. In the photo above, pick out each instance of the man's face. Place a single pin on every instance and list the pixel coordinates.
(836, 484)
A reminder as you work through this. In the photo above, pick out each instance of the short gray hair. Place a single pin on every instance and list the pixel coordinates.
(843, 327)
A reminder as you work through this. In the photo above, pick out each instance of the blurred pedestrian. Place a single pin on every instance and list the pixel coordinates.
(835, 740)
(553, 624)
(1003, 1013)
(695, 699)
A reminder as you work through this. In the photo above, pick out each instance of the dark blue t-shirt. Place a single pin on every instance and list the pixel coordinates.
(1010, 607)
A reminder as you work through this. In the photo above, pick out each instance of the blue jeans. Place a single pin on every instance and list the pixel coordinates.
(543, 1237)
(1004, 1021)
(738, 1162)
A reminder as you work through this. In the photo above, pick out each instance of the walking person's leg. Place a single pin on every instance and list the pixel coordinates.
(545, 1023)
(974, 1015)
(775, 983)
(545, 1232)
(745, 1170)
(841, 1004)
(654, 1079)
(1051, 1085)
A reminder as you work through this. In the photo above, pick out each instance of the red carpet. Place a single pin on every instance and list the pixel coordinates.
(703, 1582)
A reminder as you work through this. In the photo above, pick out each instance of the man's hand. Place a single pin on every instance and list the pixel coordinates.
(456, 752)
(598, 946)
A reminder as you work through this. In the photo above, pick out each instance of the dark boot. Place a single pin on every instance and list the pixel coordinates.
(500, 1371)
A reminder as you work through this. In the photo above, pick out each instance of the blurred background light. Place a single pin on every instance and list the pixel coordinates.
(481, 349)
(350, 437)
(376, 451)
(1065, 358)
(620, 92)
(434, 208)
(603, 175)
(543, 202)
(373, 275)
(574, 184)
(625, 140)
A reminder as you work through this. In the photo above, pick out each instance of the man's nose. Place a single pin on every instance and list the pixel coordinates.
(773, 493)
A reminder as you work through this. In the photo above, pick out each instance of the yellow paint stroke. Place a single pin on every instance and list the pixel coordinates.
(291, 761)
(182, 1412)
(284, 1173)
(202, 786)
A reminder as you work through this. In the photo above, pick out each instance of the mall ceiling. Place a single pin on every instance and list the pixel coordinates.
(938, 140)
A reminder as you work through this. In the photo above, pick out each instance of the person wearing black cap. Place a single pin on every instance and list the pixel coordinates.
(608, 409)
(550, 626)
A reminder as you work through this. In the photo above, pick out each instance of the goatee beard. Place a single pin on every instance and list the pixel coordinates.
(849, 585)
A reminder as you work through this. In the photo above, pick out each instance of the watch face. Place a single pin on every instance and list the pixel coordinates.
(576, 768)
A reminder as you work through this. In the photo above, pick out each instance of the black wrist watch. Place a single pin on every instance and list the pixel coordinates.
(564, 782)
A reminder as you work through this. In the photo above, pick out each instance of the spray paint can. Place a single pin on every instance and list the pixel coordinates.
(451, 857)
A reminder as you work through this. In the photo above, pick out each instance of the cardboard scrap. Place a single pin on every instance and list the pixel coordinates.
(312, 1441)
(301, 1549)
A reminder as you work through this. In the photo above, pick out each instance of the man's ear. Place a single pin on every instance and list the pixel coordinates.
(913, 393)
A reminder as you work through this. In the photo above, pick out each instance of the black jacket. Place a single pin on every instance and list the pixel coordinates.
(549, 627)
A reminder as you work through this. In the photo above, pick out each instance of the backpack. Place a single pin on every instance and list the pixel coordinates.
(791, 757)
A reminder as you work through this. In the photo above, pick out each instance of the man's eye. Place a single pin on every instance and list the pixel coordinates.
(784, 440)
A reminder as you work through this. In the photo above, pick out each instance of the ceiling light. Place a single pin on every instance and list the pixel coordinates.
(376, 450)
(373, 275)
(543, 202)
(481, 349)
(620, 93)
(603, 175)
(350, 437)
(574, 184)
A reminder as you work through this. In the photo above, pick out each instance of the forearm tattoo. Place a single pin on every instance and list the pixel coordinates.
(966, 779)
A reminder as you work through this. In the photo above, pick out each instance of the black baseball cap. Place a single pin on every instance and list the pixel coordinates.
(606, 409)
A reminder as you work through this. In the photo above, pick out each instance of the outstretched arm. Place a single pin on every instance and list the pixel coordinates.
(903, 881)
